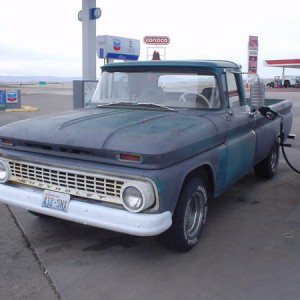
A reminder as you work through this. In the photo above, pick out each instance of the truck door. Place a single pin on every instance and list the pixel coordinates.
(240, 139)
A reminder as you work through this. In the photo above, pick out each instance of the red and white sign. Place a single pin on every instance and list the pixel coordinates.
(156, 40)
(252, 58)
(252, 54)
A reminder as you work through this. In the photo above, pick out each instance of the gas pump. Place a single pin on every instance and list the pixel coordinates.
(109, 48)
(277, 82)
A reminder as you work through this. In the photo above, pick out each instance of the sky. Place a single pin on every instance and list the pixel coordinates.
(44, 38)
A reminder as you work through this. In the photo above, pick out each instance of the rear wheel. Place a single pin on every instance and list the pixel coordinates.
(189, 217)
(267, 168)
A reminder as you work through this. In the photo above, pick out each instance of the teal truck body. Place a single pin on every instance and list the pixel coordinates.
(158, 140)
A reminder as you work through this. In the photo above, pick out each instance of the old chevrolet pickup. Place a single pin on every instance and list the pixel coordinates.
(157, 141)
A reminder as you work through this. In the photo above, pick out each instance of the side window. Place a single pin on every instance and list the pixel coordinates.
(232, 90)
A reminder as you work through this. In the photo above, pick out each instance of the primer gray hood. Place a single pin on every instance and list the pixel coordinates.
(160, 137)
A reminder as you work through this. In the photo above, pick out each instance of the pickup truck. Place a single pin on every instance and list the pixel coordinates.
(157, 141)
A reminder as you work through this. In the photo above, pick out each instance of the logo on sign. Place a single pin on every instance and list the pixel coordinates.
(12, 97)
(253, 41)
(157, 40)
(117, 45)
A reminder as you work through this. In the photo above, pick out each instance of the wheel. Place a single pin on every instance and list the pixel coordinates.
(267, 168)
(189, 217)
(184, 96)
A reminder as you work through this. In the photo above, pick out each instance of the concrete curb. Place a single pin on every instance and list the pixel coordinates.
(22, 109)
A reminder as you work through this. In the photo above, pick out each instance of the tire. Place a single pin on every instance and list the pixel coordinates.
(189, 217)
(267, 168)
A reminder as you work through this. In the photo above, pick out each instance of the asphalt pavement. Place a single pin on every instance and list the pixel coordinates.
(249, 248)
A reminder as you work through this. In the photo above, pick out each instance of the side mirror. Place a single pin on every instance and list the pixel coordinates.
(257, 94)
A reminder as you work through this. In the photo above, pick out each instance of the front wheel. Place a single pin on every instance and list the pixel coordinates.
(267, 168)
(189, 217)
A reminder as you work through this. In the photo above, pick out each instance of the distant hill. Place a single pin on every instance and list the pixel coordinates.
(34, 79)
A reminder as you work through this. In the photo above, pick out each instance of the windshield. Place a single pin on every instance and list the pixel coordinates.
(175, 90)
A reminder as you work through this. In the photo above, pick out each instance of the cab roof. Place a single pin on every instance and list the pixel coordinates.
(155, 64)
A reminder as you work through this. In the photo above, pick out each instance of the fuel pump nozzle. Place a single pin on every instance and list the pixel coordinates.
(269, 113)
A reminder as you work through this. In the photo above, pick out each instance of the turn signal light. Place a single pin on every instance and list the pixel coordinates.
(130, 157)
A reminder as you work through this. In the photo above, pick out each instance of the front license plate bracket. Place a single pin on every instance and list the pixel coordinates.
(55, 200)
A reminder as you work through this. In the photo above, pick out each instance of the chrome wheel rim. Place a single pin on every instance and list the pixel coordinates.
(194, 215)
(274, 158)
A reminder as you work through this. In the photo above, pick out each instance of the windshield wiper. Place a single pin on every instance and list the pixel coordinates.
(115, 104)
(155, 105)
(136, 104)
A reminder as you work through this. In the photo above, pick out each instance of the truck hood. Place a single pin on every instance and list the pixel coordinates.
(160, 137)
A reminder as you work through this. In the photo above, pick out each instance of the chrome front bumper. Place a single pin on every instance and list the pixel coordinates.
(89, 214)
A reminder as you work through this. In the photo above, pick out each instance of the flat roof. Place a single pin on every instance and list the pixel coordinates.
(283, 63)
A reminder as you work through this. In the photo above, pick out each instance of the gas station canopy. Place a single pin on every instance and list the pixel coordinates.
(283, 63)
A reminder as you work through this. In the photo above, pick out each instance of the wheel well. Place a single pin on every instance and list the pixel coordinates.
(206, 175)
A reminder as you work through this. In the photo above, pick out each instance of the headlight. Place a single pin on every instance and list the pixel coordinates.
(137, 197)
(4, 171)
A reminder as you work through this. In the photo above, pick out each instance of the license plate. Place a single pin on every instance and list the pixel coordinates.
(56, 200)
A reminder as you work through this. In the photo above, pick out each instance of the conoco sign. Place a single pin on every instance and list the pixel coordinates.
(156, 40)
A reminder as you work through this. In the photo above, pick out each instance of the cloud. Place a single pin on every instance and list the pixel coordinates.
(25, 61)
(45, 36)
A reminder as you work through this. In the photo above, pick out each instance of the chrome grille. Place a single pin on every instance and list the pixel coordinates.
(82, 184)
